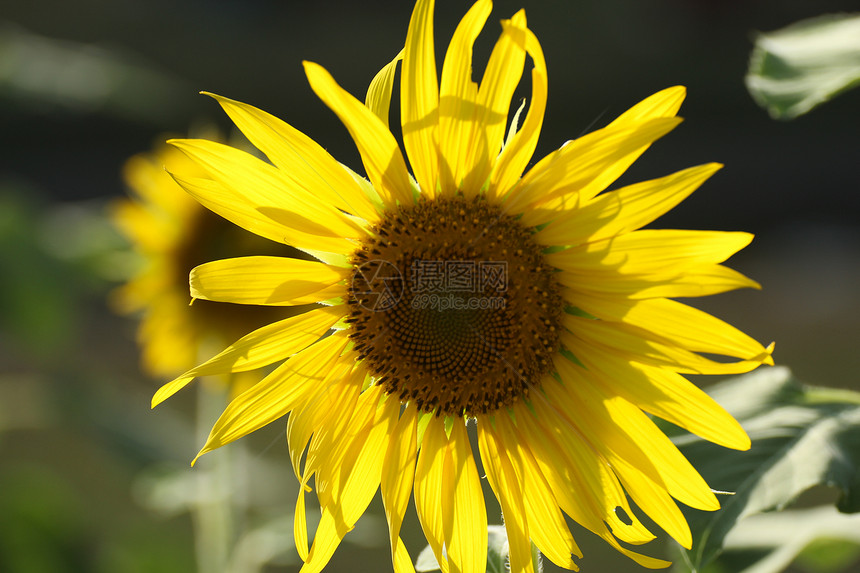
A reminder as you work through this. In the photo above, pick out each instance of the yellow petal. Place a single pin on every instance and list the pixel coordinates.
(664, 103)
(516, 155)
(595, 422)
(643, 560)
(308, 168)
(621, 430)
(220, 199)
(509, 491)
(667, 395)
(331, 423)
(501, 78)
(355, 480)
(367, 187)
(402, 561)
(547, 525)
(563, 484)
(564, 481)
(328, 536)
(269, 190)
(681, 479)
(625, 209)
(276, 281)
(458, 95)
(464, 514)
(635, 345)
(352, 480)
(336, 458)
(262, 347)
(428, 487)
(653, 499)
(335, 396)
(398, 473)
(593, 474)
(565, 172)
(419, 98)
(300, 526)
(379, 151)
(276, 394)
(546, 455)
(378, 98)
(648, 250)
(694, 329)
(667, 282)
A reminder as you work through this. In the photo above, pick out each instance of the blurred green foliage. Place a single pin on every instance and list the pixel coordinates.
(802, 437)
(800, 67)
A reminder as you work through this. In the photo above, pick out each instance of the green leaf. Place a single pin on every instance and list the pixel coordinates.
(795, 69)
(497, 549)
(426, 561)
(802, 436)
(829, 554)
(821, 538)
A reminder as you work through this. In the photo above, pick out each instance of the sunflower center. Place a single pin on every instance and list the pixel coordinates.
(453, 307)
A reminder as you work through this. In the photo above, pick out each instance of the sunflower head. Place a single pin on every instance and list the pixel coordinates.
(471, 290)
(453, 306)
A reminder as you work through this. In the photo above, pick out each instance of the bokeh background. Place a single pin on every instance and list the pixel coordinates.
(91, 480)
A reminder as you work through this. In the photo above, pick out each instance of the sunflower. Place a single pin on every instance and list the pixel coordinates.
(467, 296)
(170, 234)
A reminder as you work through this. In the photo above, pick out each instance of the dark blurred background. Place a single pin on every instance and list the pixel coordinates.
(86, 84)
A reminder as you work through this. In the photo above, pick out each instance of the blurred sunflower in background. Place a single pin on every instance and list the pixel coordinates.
(170, 233)
(528, 305)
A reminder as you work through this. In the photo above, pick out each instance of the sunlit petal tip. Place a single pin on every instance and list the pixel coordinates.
(733, 436)
(205, 450)
(222, 100)
(677, 93)
(160, 396)
(665, 103)
(517, 21)
(311, 66)
(182, 143)
(177, 142)
(743, 443)
(753, 284)
(768, 360)
(378, 98)
(766, 356)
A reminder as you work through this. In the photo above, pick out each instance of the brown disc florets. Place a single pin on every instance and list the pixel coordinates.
(453, 307)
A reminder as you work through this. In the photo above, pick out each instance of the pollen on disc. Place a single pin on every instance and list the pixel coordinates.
(452, 306)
